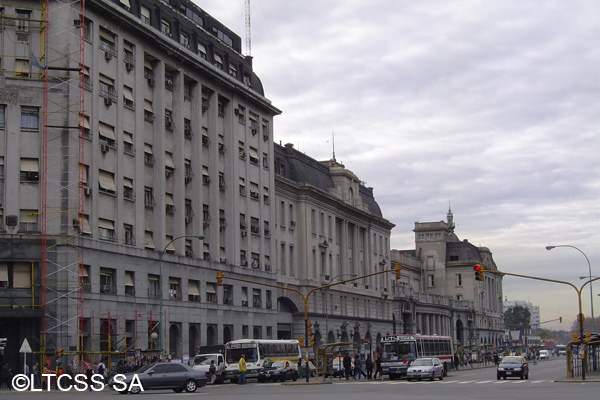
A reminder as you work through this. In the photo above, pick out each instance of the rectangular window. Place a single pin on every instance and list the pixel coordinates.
(23, 17)
(458, 280)
(431, 280)
(107, 229)
(430, 263)
(211, 292)
(244, 296)
(107, 280)
(107, 90)
(2, 116)
(193, 290)
(148, 111)
(149, 197)
(30, 118)
(256, 298)
(165, 27)
(22, 68)
(129, 283)
(28, 221)
(29, 170)
(129, 238)
(107, 44)
(174, 292)
(153, 287)
(227, 294)
(148, 154)
(149, 240)
(145, 15)
(128, 146)
(128, 97)
(106, 182)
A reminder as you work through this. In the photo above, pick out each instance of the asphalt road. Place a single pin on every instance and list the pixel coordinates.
(477, 383)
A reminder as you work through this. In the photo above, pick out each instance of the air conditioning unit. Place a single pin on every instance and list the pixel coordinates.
(128, 66)
(11, 220)
(223, 260)
(151, 82)
(244, 233)
(188, 220)
(265, 136)
(88, 191)
(267, 267)
(189, 253)
(108, 55)
(107, 101)
(242, 154)
(168, 173)
(104, 148)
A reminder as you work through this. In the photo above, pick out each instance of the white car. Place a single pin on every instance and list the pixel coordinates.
(544, 355)
(425, 368)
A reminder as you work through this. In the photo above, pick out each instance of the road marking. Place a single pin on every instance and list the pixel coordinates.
(483, 382)
(463, 382)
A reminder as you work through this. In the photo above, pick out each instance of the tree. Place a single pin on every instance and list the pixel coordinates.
(517, 317)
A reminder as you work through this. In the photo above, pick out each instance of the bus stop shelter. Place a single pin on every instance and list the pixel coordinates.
(326, 353)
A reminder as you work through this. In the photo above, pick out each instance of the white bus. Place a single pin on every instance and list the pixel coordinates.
(398, 351)
(257, 351)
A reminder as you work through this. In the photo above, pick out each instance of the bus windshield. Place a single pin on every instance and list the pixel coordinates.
(205, 359)
(234, 352)
(398, 351)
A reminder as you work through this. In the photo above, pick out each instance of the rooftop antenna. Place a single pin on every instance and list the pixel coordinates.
(333, 144)
(248, 39)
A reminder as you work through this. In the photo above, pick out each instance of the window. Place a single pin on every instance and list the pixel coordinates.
(148, 111)
(23, 17)
(255, 260)
(169, 120)
(107, 90)
(430, 263)
(431, 280)
(211, 292)
(148, 240)
(184, 40)
(153, 286)
(106, 136)
(148, 154)
(254, 191)
(165, 27)
(187, 128)
(244, 296)
(22, 68)
(1, 174)
(188, 171)
(87, 79)
(205, 175)
(128, 56)
(149, 197)
(256, 298)
(187, 89)
(106, 280)
(221, 144)
(269, 301)
(28, 221)
(243, 226)
(222, 220)
(222, 184)
(128, 97)
(202, 51)
(106, 182)
(128, 146)
(193, 290)
(2, 116)
(169, 81)
(85, 123)
(242, 186)
(218, 61)
(205, 138)
(265, 161)
(266, 198)
(458, 280)
(125, 4)
(189, 211)
(227, 294)
(29, 170)
(30, 117)
(174, 292)
(169, 164)
(253, 156)
(169, 203)
(254, 226)
(205, 215)
(85, 273)
(267, 229)
(145, 15)
(129, 283)
(267, 263)
(107, 44)
(129, 238)
(107, 229)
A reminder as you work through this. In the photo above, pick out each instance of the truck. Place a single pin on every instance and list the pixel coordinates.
(207, 354)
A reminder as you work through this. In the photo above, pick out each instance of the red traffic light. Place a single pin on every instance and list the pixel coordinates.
(477, 267)
(478, 272)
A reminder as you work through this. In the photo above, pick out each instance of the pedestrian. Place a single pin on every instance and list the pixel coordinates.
(242, 369)
(369, 367)
(57, 374)
(212, 371)
(89, 372)
(496, 359)
(348, 365)
(102, 370)
(6, 376)
(36, 374)
(378, 367)
(45, 372)
(357, 366)
(456, 361)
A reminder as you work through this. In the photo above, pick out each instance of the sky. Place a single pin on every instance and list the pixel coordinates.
(492, 107)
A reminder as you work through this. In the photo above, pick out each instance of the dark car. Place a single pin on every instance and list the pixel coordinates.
(278, 371)
(513, 366)
(178, 377)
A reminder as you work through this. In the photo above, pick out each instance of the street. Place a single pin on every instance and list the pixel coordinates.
(476, 383)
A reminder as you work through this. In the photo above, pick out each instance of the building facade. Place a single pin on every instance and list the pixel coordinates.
(143, 175)
(534, 321)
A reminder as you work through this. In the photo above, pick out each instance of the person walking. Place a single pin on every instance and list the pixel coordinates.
(369, 367)
(89, 372)
(6, 376)
(456, 361)
(378, 367)
(347, 365)
(242, 369)
(212, 371)
(36, 374)
(357, 366)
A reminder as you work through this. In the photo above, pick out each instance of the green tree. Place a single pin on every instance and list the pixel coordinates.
(517, 317)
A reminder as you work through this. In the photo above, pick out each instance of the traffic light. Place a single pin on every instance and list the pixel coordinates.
(575, 338)
(59, 353)
(588, 337)
(311, 341)
(308, 327)
(301, 341)
(219, 278)
(397, 270)
(478, 272)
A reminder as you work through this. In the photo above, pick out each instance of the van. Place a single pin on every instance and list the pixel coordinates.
(544, 354)
(202, 363)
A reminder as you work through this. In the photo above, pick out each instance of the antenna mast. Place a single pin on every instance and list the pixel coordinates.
(248, 39)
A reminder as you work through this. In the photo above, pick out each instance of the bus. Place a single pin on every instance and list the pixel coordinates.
(398, 351)
(257, 351)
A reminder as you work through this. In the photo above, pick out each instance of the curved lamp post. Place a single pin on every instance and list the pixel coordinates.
(590, 276)
(160, 288)
(327, 306)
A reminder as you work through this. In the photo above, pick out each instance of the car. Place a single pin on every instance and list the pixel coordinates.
(301, 369)
(513, 366)
(429, 368)
(202, 363)
(178, 377)
(544, 354)
(278, 371)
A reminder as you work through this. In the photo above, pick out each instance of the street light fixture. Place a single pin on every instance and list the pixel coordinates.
(327, 306)
(590, 276)
(160, 289)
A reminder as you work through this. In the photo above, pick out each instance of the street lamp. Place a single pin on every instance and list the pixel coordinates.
(160, 288)
(326, 305)
(590, 276)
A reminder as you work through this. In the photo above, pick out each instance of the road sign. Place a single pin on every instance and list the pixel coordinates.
(25, 347)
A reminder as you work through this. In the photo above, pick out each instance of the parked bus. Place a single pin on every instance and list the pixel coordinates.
(398, 351)
(257, 351)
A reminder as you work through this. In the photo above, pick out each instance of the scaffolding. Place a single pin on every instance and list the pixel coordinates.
(61, 177)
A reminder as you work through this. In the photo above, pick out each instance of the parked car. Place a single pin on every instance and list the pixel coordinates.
(278, 371)
(428, 368)
(513, 366)
(178, 377)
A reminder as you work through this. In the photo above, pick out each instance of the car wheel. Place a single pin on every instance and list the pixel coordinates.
(504, 377)
(179, 390)
(442, 376)
(135, 390)
(432, 377)
(190, 386)
(409, 379)
(123, 392)
(261, 380)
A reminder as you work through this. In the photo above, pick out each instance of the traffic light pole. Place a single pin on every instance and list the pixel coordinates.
(579, 316)
(220, 276)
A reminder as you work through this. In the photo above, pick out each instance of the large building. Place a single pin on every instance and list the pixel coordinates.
(128, 129)
(534, 321)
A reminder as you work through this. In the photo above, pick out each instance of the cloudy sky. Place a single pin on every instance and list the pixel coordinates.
(493, 106)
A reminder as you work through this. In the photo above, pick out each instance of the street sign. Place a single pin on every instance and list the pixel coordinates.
(25, 347)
